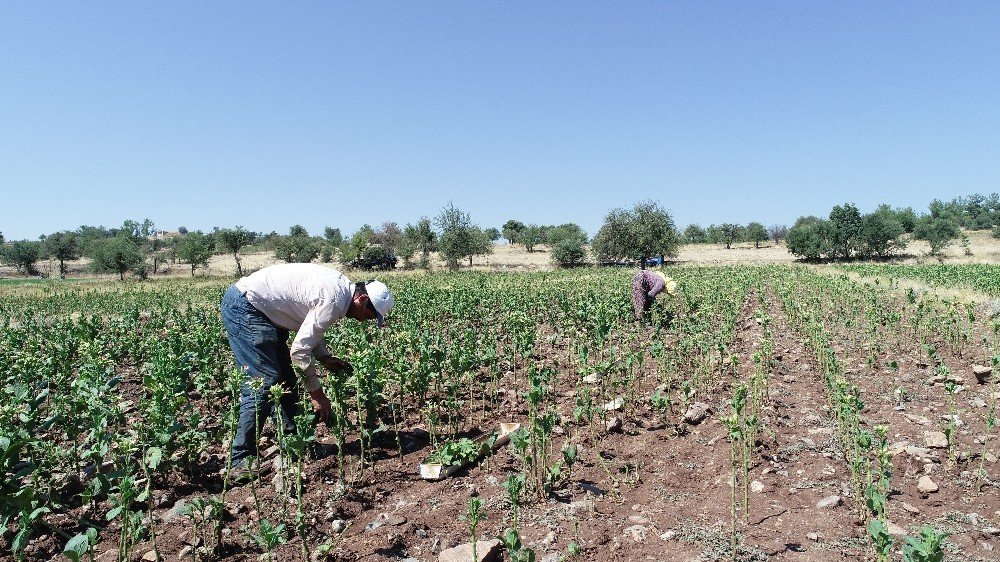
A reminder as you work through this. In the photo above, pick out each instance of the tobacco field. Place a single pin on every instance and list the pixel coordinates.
(762, 413)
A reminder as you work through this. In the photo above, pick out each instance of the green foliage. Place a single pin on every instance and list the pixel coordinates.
(22, 255)
(568, 231)
(458, 237)
(516, 550)
(458, 452)
(375, 257)
(80, 545)
(233, 240)
(63, 246)
(881, 234)
(297, 247)
(730, 233)
(809, 238)
(939, 232)
(569, 252)
(881, 538)
(644, 231)
(421, 238)
(847, 234)
(115, 255)
(333, 236)
(531, 236)
(845, 231)
(695, 234)
(926, 547)
(973, 212)
(194, 248)
(512, 230)
(756, 233)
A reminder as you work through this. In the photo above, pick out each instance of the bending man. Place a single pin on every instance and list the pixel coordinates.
(646, 285)
(259, 311)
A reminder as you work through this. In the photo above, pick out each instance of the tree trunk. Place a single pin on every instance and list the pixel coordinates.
(239, 266)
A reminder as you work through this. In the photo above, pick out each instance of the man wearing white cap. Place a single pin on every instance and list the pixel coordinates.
(259, 311)
(646, 285)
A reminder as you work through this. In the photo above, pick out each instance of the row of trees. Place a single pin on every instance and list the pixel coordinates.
(849, 234)
(731, 233)
(627, 235)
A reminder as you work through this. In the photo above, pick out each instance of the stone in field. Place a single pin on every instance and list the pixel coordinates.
(829, 502)
(756, 486)
(926, 485)
(910, 508)
(935, 440)
(696, 413)
(615, 404)
(485, 550)
(895, 530)
(982, 373)
(637, 532)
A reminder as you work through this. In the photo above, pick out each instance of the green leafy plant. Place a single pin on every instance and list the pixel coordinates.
(926, 547)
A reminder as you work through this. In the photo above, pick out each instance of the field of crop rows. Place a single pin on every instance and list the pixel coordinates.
(763, 413)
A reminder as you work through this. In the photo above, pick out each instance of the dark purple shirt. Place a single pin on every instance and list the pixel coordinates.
(645, 286)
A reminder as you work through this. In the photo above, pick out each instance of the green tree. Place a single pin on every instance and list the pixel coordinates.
(569, 252)
(456, 239)
(333, 236)
(557, 234)
(492, 233)
(421, 237)
(64, 247)
(22, 255)
(194, 248)
(881, 234)
(232, 240)
(845, 230)
(512, 230)
(297, 247)
(87, 235)
(730, 233)
(756, 233)
(116, 254)
(695, 234)
(939, 232)
(355, 246)
(809, 238)
(532, 236)
(644, 231)
(481, 244)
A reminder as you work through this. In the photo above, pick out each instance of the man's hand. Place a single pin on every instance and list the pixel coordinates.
(321, 404)
(335, 364)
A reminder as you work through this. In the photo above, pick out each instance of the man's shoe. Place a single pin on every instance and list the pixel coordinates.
(240, 473)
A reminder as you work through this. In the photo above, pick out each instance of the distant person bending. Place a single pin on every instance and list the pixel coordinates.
(259, 311)
(646, 285)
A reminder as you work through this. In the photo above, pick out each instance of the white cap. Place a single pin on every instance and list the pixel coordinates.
(381, 298)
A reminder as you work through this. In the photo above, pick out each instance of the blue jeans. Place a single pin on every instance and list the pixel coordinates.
(261, 350)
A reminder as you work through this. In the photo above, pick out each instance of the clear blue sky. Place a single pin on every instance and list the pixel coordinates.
(266, 115)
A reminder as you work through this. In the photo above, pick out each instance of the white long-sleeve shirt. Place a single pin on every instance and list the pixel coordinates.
(305, 297)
